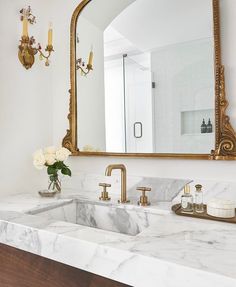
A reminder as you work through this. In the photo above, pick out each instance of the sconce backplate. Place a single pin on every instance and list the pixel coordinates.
(26, 57)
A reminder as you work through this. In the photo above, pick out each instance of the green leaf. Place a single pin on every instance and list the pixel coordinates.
(66, 171)
(59, 164)
(64, 165)
(51, 170)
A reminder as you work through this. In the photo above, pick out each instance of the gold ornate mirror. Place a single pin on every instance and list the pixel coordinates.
(147, 80)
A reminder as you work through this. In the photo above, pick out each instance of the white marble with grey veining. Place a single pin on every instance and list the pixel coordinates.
(65, 212)
(163, 189)
(164, 249)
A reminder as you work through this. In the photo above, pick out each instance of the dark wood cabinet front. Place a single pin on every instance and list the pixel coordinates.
(23, 269)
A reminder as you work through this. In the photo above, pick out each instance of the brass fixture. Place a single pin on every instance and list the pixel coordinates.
(104, 195)
(80, 64)
(143, 201)
(109, 169)
(27, 51)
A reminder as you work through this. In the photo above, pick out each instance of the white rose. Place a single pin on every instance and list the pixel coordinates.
(39, 159)
(50, 150)
(62, 154)
(50, 158)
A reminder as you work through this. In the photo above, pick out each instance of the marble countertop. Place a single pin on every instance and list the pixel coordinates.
(172, 251)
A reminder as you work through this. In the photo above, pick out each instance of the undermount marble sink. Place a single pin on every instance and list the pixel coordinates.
(116, 219)
(102, 216)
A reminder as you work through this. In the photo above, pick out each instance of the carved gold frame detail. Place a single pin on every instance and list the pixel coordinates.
(225, 136)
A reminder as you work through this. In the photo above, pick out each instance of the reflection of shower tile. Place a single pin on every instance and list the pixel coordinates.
(184, 74)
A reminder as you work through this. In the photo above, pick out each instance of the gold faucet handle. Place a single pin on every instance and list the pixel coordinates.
(143, 201)
(104, 194)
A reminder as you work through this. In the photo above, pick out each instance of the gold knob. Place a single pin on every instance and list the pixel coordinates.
(104, 195)
(143, 198)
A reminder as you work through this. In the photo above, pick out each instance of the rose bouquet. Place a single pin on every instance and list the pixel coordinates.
(53, 159)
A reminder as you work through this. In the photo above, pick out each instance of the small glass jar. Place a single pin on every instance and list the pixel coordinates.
(187, 200)
(198, 207)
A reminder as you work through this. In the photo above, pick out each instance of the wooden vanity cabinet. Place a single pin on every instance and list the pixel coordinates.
(23, 269)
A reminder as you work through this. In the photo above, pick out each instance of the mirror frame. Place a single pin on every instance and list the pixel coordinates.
(225, 136)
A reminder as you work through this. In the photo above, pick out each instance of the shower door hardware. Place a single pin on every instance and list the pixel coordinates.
(138, 130)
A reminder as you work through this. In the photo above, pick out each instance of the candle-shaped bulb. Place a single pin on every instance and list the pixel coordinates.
(50, 34)
(25, 24)
(90, 61)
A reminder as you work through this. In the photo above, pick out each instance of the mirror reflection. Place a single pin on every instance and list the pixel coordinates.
(145, 81)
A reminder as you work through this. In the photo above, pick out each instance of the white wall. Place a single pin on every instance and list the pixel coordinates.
(114, 99)
(218, 170)
(25, 100)
(91, 102)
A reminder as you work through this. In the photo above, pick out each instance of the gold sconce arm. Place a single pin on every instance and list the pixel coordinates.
(27, 52)
(80, 65)
(48, 49)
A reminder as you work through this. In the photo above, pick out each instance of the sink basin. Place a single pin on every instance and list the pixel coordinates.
(102, 216)
(116, 219)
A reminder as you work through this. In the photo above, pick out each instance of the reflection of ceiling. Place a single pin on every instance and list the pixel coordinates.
(116, 44)
(149, 24)
(102, 12)
(144, 25)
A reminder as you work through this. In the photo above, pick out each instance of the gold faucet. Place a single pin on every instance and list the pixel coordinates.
(109, 169)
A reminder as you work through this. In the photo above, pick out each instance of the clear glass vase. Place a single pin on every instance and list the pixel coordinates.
(54, 184)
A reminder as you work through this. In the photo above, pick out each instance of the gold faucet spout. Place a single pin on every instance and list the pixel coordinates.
(122, 168)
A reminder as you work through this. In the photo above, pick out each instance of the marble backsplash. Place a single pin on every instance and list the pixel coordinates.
(163, 189)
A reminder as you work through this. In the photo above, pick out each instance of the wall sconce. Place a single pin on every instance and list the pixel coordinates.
(27, 51)
(80, 64)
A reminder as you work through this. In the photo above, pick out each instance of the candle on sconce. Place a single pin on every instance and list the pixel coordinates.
(27, 48)
(50, 34)
(85, 69)
(25, 25)
(90, 61)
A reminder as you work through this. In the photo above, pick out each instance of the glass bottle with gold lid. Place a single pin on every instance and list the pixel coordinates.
(199, 207)
(187, 200)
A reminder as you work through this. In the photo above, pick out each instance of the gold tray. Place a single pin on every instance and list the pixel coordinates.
(177, 210)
